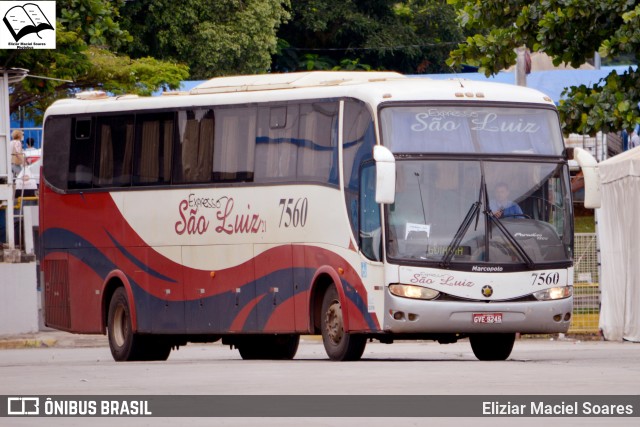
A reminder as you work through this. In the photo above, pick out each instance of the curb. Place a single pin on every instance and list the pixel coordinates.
(10, 344)
(49, 339)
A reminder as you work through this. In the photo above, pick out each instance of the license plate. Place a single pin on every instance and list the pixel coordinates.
(487, 317)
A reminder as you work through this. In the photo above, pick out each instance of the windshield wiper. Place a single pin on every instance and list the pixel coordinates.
(474, 210)
(518, 247)
(455, 243)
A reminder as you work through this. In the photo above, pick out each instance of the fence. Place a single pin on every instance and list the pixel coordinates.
(596, 145)
(586, 290)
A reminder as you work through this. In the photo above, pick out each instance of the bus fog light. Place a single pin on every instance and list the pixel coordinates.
(567, 317)
(414, 292)
(554, 293)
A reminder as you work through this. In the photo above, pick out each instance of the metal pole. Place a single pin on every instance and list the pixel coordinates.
(521, 66)
(6, 192)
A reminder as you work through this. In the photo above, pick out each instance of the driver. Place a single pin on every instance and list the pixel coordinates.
(501, 205)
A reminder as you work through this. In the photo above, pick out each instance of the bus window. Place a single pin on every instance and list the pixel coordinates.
(358, 142)
(59, 137)
(318, 143)
(80, 154)
(154, 145)
(194, 150)
(114, 151)
(276, 149)
(370, 228)
(234, 144)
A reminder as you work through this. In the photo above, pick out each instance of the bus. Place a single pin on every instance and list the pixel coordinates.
(351, 205)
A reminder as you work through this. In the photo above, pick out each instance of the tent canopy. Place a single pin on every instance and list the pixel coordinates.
(619, 234)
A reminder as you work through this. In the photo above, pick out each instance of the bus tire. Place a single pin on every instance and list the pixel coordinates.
(269, 347)
(124, 344)
(339, 345)
(492, 346)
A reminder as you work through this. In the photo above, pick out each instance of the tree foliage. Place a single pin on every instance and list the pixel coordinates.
(87, 32)
(213, 37)
(411, 36)
(569, 31)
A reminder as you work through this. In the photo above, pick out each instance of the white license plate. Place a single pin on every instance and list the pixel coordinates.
(487, 317)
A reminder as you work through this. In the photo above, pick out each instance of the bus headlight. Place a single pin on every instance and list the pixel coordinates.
(554, 293)
(411, 291)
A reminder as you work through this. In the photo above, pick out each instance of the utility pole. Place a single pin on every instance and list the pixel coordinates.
(521, 66)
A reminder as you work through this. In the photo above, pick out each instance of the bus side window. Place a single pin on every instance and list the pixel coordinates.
(153, 149)
(358, 142)
(370, 226)
(234, 144)
(59, 135)
(194, 148)
(114, 135)
(318, 143)
(81, 153)
(276, 149)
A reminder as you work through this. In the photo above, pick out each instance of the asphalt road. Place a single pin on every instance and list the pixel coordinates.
(536, 367)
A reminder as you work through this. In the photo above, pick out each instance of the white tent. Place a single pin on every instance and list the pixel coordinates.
(619, 233)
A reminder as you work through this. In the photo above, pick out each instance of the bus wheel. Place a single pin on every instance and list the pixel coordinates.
(492, 346)
(338, 344)
(124, 344)
(271, 347)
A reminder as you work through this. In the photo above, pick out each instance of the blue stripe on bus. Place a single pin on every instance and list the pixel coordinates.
(351, 293)
(61, 240)
(298, 142)
(137, 262)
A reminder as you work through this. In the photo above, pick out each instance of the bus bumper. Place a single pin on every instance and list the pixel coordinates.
(409, 316)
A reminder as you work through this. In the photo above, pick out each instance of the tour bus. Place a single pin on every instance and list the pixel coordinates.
(351, 205)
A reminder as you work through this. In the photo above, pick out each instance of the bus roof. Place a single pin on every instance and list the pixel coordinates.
(261, 82)
(371, 87)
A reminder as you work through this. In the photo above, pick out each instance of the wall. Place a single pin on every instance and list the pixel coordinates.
(18, 298)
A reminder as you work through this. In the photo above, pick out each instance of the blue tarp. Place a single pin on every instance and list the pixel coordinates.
(551, 83)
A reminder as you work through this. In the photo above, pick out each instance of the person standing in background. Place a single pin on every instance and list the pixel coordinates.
(634, 139)
(17, 152)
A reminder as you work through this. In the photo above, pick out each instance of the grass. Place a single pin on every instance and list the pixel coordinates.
(584, 224)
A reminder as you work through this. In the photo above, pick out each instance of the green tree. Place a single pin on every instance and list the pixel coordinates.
(86, 33)
(569, 31)
(213, 37)
(411, 36)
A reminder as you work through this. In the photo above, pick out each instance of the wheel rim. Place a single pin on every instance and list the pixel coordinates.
(120, 326)
(333, 322)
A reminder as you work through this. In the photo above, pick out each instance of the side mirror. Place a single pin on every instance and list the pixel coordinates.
(385, 174)
(589, 167)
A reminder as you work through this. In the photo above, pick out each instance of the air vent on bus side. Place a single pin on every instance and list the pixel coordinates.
(56, 294)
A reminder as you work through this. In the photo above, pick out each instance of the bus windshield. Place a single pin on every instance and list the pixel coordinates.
(480, 211)
(471, 129)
